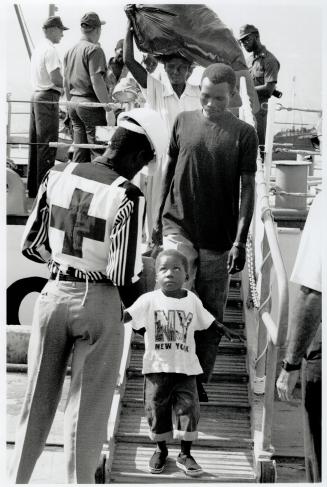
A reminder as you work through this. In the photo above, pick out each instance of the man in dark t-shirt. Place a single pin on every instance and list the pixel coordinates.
(203, 212)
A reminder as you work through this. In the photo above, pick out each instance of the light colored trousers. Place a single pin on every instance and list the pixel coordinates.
(93, 332)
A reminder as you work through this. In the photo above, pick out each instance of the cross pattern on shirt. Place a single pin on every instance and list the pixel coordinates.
(77, 223)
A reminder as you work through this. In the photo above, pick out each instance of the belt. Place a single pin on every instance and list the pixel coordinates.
(50, 90)
(65, 277)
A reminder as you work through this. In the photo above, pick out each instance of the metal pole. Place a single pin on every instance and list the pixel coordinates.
(52, 9)
(22, 28)
(8, 124)
(269, 140)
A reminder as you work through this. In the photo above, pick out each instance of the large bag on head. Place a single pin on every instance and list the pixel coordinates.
(193, 31)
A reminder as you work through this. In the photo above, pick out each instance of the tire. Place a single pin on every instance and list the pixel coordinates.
(17, 291)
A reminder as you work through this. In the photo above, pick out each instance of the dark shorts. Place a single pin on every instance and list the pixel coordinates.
(165, 393)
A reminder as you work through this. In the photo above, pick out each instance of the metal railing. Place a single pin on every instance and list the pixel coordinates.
(271, 331)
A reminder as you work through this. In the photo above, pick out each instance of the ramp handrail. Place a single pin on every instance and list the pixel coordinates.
(271, 331)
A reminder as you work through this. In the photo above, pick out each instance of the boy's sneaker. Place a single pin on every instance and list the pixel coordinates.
(158, 461)
(188, 464)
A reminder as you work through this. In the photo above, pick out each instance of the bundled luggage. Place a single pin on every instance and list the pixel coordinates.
(193, 31)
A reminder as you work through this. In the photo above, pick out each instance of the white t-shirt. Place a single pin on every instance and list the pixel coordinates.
(161, 97)
(45, 59)
(307, 269)
(170, 324)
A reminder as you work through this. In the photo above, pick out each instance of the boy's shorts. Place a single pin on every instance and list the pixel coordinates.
(165, 393)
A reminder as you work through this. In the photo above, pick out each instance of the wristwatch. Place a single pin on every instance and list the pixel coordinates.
(290, 367)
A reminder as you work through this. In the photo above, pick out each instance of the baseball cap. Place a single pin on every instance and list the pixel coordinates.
(54, 21)
(91, 19)
(246, 30)
(120, 44)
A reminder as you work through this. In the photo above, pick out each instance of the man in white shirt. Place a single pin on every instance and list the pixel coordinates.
(169, 98)
(305, 337)
(47, 83)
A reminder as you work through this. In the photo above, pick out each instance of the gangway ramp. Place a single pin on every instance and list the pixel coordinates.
(224, 448)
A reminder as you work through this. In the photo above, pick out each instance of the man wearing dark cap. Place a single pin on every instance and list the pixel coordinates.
(264, 68)
(85, 69)
(47, 83)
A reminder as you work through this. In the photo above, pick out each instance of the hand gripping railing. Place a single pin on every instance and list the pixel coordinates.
(271, 330)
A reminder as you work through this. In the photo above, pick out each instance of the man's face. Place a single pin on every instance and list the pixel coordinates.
(119, 55)
(177, 71)
(55, 34)
(248, 42)
(214, 98)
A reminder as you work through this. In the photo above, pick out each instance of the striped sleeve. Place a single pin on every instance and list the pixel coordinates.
(35, 242)
(125, 259)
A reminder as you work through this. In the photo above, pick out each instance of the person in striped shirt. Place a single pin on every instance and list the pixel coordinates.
(86, 224)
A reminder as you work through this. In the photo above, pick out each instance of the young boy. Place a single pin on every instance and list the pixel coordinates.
(170, 315)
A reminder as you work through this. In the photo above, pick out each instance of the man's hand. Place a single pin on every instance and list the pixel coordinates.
(236, 259)
(286, 383)
(110, 117)
(231, 335)
(157, 234)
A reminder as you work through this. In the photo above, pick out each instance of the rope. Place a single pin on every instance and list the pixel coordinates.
(61, 144)
(88, 104)
(261, 354)
(251, 272)
(275, 191)
(299, 151)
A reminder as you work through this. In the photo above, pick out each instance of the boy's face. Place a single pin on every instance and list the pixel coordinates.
(171, 274)
(214, 98)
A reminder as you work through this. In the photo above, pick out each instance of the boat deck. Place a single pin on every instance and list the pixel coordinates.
(224, 448)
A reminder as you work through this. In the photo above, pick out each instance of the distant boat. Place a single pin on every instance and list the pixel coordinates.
(298, 139)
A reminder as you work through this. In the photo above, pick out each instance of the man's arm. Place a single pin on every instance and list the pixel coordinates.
(125, 252)
(305, 320)
(166, 183)
(56, 78)
(266, 90)
(101, 91)
(237, 254)
(137, 70)
(100, 87)
(35, 241)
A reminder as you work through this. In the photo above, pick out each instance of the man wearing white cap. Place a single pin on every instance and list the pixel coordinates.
(47, 82)
(85, 68)
(86, 224)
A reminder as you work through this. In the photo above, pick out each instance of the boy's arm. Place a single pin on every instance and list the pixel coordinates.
(221, 329)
